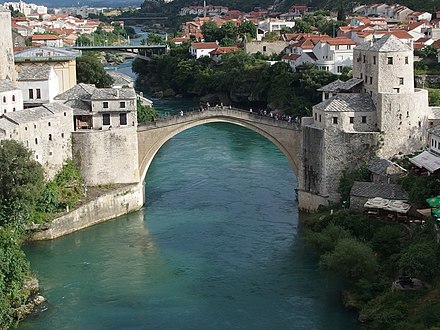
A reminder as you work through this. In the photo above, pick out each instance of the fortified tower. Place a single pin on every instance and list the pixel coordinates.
(386, 68)
(388, 117)
(7, 69)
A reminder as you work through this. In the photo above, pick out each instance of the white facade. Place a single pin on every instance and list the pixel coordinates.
(333, 56)
(199, 49)
(45, 130)
(11, 97)
(39, 84)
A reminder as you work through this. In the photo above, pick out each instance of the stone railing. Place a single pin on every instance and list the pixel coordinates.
(216, 112)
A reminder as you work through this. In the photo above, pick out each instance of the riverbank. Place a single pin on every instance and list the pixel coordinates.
(100, 208)
(390, 270)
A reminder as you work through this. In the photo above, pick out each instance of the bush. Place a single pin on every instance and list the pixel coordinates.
(360, 173)
(351, 260)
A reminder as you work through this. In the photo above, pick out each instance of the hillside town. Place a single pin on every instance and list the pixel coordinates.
(375, 114)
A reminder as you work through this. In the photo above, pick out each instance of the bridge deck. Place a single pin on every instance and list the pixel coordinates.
(218, 112)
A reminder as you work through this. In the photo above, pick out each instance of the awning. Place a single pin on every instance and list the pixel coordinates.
(388, 205)
(433, 201)
(426, 160)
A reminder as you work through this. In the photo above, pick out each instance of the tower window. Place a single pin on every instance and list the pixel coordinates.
(374, 59)
(31, 93)
(4, 99)
(122, 104)
(335, 120)
(13, 98)
(50, 137)
(364, 119)
(406, 60)
(351, 120)
(401, 80)
(389, 60)
(371, 80)
(105, 105)
(38, 93)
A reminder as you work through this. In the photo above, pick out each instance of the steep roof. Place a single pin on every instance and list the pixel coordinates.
(113, 94)
(375, 189)
(40, 72)
(34, 114)
(339, 85)
(7, 85)
(78, 92)
(350, 102)
(388, 43)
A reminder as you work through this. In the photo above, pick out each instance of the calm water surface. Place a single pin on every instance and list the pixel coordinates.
(216, 247)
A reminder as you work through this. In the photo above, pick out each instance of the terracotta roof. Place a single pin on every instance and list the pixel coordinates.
(291, 57)
(45, 37)
(340, 41)
(204, 45)
(223, 50)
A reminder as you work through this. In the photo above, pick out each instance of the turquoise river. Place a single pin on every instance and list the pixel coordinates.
(217, 246)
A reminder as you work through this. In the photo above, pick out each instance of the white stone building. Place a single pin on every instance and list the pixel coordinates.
(39, 84)
(199, 49)
(377, 113)
(7, 70)
(11, 97)
(45, 130)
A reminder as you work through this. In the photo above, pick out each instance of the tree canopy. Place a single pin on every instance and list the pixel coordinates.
(90, 70)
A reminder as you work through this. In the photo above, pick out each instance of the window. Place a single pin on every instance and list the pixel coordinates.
(25, 128)
(105, 119)
(319, 118)
(335, 120)
(401, 80)
(36, 156)
(351, 120)
(38, 93)
(31, 93)
(364, 119)
(13, 98)
(366, 79)
(105, 105)
(326, 96)
(13, 109)
(123, 119)
(371, 80)
(50, 137)
(396, 90)
(389, 60)
(406, 60)
(62, 135)
(316, 116)
(364, 59)
(122, 105)
(48, 123)
(362, 76)
(65, 114)
(339, 69)
(348, 46)
(4, 99)
(264, 48)
(36, 141)
(374, 59)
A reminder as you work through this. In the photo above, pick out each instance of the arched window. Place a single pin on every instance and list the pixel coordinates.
(50, 137)
(13, 98)
(4, 99)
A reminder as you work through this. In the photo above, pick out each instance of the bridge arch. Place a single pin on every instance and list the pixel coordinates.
(287, 140)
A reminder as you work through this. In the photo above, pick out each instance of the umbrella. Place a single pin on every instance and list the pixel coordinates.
(436, 213)
(433, 201)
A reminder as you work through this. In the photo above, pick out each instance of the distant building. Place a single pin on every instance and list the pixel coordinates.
(199, 49)
(121, 80)
(7, 70)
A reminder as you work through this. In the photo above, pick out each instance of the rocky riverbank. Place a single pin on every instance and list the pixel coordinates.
(35, 301)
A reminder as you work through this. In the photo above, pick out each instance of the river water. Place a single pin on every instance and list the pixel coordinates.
(217, 246)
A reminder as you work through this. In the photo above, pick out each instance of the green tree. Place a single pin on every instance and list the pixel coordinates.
(21, 183)
(211, 32)
(351, 260)
(359, 173)
(90, 70)
(153, 39)
(248, 28)
(229, 30)
(14, 268)
(145, 114)
(302, 26)
(420, 260)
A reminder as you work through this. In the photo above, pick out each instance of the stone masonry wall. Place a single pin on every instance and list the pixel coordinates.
(107, 157)
(108, 206)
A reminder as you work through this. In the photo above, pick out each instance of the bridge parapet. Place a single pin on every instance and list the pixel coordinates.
(220, 112)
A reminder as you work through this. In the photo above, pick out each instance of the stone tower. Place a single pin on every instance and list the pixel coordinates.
(386, 68)
(7, 70)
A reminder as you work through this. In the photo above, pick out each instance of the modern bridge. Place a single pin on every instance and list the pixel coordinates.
(142, 51)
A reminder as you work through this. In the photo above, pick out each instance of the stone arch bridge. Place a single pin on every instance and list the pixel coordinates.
(287, 136)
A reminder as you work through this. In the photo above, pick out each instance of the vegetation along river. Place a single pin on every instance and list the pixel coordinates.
(217, 246)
